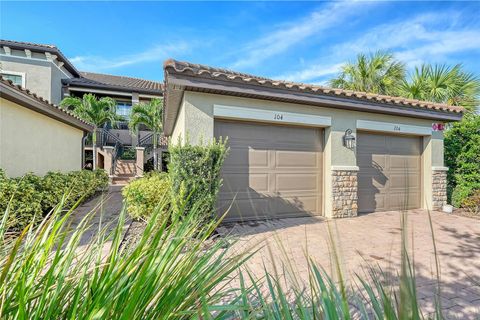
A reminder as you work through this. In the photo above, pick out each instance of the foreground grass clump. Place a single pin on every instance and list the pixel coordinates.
(168, 274)
(31, 196)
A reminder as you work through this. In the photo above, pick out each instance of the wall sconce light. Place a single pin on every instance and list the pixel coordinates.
(349, 139)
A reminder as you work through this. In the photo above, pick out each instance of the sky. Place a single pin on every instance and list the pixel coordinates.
(296, 41)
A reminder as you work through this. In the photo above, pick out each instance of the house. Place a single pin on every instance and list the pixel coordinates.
(36, 136)
(44, 70)
(299, 149)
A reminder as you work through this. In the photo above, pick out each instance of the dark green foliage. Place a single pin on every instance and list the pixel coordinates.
(194, 173)
(31, 197)
(462, 156)
(142, 196)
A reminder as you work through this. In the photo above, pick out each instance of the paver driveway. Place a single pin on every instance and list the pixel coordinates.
(375, 238)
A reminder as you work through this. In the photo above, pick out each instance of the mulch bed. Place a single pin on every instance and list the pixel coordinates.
(465, 213)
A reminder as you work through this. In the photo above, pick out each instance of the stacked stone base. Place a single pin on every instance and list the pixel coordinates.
(439, 189)
(344, 191)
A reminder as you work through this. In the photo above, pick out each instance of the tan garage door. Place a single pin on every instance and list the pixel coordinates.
(271, 171)
(390, 172)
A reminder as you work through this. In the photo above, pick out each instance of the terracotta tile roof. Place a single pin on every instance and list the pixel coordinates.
(228, 75)
(46, 103)
(19, 45)
(107, 81)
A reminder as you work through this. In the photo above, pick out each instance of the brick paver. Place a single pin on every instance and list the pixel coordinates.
(375, 239)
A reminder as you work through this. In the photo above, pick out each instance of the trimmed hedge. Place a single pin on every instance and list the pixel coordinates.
(143, 195)
(462, 156)
(31, 197)
(194, 173)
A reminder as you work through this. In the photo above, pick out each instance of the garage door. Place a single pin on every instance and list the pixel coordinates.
(390, 172)
(271, 171)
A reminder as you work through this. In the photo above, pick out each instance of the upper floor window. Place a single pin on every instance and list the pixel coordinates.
(17, 78)
(124, 109)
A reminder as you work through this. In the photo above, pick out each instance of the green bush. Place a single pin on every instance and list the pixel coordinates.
(194, 173)
(462, 156)
(31, 196)
(142, 196)
(472, 203)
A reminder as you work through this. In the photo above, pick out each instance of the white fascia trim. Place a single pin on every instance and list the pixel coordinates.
(37, 59)
(16, 73)
(150, 96)
(85, 89)
(397, 128)
(255, 114)
(345, 168)
(439, 168)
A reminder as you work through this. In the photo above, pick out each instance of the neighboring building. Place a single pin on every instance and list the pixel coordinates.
(36, 136)
(44, 70)
(298, 149)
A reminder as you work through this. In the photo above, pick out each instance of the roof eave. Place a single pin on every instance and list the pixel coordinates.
(72, 84)
(181, 82)
(31, 103)
(67, 64)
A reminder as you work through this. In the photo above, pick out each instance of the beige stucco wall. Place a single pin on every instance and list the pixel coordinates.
(196, 120)
(30, 141)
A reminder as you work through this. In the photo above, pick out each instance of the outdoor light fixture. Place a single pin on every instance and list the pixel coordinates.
(348, 139)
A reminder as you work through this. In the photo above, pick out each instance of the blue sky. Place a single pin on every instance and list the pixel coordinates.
(298, 41)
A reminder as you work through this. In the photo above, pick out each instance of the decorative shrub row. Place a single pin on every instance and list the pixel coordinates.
(31, 197)
(192, 182)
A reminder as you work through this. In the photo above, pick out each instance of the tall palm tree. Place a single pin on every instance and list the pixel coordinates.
(151, 116)
(443, 84)
(93, 110)
(377, 72)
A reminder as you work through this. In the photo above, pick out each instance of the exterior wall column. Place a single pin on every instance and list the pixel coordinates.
(108, 160)
(140, 156)
(439, 187)
(340, 181)
(135, 100)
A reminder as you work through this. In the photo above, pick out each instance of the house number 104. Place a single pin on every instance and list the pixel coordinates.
(278, 116)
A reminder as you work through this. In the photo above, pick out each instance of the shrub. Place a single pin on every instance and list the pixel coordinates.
(194, 173)
(142, 196)
(472, 203)
(31, 196)
(24, 198)
(462, 155)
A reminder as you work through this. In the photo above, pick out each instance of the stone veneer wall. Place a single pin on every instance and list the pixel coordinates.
(344, 191)
(439, 188)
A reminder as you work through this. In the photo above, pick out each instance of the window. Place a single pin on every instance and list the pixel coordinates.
(17, 78)
(124, 109)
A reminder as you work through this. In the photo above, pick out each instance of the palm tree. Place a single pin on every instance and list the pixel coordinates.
(95, 111)
(150, 115)
(377, 73)
(443, 84)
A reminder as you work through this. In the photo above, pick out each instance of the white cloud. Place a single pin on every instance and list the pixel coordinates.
(156, 53)
(284, 37)
(426, 37)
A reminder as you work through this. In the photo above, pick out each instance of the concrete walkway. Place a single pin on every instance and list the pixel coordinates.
(374, 239)
(106, 207)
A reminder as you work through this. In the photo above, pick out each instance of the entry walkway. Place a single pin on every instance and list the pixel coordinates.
(375, 239)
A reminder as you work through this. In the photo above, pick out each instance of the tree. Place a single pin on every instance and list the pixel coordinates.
(95, 111)
(377, 73)
(150, 115)
(443, 84)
